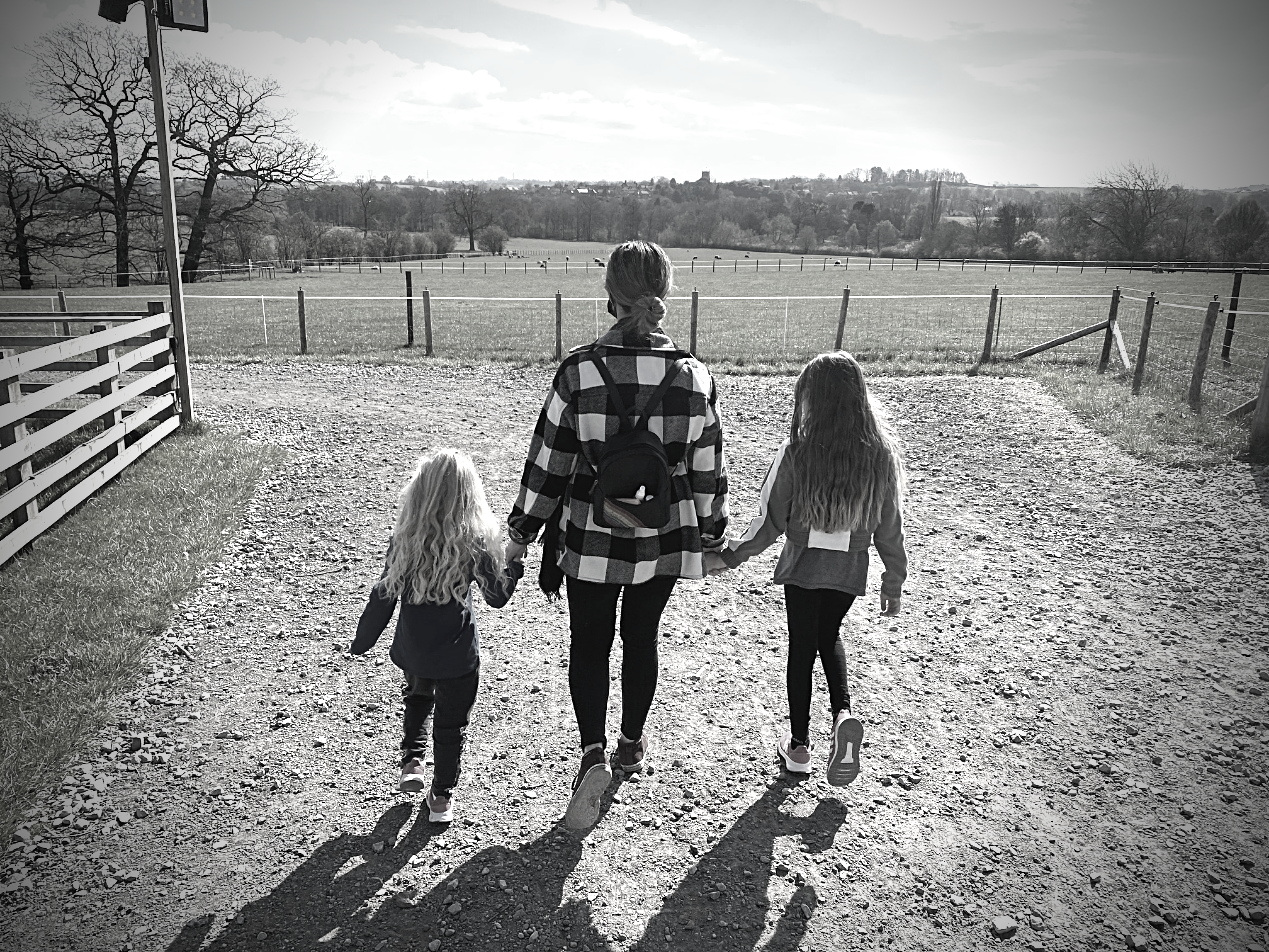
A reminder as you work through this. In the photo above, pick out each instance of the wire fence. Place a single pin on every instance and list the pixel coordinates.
(944, 328)
(586, 261)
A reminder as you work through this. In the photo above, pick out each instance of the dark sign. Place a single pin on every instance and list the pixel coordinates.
(183, 14)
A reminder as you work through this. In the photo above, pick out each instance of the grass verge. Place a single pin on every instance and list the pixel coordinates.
(77, 611)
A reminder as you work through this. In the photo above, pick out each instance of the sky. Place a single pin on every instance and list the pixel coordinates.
(1006, 91)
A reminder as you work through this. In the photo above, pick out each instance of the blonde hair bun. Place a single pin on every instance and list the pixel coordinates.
(651, 304)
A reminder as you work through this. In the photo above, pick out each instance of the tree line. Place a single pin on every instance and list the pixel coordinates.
(79, 179)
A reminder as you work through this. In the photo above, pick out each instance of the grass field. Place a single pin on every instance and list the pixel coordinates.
(746, 316)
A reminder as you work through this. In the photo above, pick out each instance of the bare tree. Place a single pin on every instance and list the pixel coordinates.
(101, 124)
(1013, 220)
(1128, 205)
(227, 133)
(1240, 229)
(365, 189)
(980, 213)
(470, 207)
(934, 211)
(34, 220)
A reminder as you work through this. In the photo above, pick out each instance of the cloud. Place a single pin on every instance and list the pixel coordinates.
(613, 15)
(1026, 73)
(938, 20)
(472, 41)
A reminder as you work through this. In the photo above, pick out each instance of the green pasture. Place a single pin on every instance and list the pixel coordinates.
(747, 314)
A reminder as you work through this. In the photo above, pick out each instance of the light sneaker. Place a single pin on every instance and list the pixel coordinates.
(795, 757)
(843, 752)
(439, 809)
(632, 753)
(413, 779)
(592, 780)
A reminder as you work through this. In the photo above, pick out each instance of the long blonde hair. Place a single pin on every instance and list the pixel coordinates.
(846, 462)
(639, 276)
(444, 529)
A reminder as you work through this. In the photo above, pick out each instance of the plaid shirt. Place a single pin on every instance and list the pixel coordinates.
(579, 416)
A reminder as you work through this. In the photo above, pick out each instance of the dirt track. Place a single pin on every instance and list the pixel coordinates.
(1066, 727)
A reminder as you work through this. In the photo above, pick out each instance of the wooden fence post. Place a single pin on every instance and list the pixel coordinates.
(1109, 340)
(299, 295)
(427, 323)
(1139, 370)
(409, 310)
(559, 326)
(841, 318)
(991, 325)
(1259, 442)
(1200, 361)
(61, 306)
(696, 310)
(106, 355)
(1231, 316)
(11, 392)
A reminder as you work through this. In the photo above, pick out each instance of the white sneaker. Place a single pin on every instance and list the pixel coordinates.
(796, 759)
(439, 809)
(413, 780)
(843, 752)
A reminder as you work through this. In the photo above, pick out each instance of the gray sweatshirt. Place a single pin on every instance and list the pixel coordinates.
(814, 559)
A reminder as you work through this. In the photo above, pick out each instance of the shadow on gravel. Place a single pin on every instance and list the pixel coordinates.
(311, 902)
(739, 914)
(471, 909)
(1260, 476)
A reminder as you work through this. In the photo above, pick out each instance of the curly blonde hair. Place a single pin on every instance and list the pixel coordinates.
(444, 529)
(847, 463)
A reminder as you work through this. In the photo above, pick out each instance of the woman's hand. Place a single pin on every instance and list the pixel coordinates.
(890, 604)
(714, 564)
(514, 551)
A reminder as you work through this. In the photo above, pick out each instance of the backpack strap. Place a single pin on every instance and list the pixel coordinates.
(623, 415)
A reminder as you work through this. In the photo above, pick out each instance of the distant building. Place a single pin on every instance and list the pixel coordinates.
(704, 177)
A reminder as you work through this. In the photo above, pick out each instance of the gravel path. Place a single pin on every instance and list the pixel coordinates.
(1065, 731)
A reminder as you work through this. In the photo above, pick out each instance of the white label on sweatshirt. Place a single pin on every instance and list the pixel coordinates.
(838, 541)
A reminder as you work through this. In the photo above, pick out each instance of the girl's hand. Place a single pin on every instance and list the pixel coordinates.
(890, 604)
(514, 551)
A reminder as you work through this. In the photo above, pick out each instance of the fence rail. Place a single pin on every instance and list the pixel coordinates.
(1166, 350)
(514, 262)
(76, 409)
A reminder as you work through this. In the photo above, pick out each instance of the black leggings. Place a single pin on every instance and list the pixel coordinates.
(448, 701)
(815, 620)
(592, 612)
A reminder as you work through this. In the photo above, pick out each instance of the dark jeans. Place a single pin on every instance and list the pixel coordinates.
(815, 620)
(448, 701)
(592, 612)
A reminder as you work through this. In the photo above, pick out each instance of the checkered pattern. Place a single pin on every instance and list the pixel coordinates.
(576, 420)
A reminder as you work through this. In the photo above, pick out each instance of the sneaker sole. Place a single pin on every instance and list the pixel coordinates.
(792, 766)
(414, 785)
(843, 762)
(583, 808)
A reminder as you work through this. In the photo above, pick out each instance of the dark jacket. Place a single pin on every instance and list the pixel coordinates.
(435, 640)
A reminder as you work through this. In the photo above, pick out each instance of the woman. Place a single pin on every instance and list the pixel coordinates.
(639, 565)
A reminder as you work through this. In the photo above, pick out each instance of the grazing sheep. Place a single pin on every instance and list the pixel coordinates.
(836, 263)
(718, 257)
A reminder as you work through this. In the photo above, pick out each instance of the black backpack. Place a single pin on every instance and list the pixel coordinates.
(633, 459)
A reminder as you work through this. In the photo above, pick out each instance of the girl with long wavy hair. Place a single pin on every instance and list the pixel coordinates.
(835, 487)
(446, 537)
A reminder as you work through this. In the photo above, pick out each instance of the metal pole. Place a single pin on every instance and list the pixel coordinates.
(171, 246)
(303, 325)
(427, 323)
(409, 309)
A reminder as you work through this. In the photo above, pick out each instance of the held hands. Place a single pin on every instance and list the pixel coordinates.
(714, 564)
(514, 551)
(890, 604)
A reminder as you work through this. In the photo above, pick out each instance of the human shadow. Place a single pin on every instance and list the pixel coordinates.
(500, 896)
(723, 903)
(1260, 477)
(321, 894)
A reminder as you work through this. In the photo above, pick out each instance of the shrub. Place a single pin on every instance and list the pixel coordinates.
(442, 240)
(492, 239)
